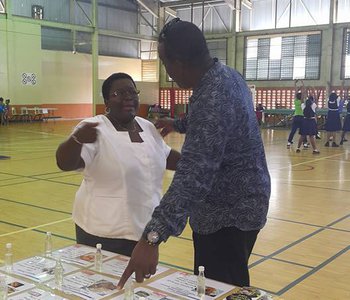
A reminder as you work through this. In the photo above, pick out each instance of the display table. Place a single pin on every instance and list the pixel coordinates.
(34, 278)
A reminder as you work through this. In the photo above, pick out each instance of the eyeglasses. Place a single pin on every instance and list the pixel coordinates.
(166, 27)
(122, 93)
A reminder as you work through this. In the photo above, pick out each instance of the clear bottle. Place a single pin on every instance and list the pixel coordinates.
(59, 274)
(129, 290)
(201, 282)
(98, 258)
(8, 258)
(3, 288)
(48, 244)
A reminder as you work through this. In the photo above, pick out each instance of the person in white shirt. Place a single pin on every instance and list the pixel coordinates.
(309, 125)
(123, 159)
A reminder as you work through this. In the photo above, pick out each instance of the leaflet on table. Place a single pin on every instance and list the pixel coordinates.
(16, 285)
(185, 285)
(38, 268)
(87, 284)
(79, 254)
(117, 265)
(36, 294)
(248, 293)
(148, 294)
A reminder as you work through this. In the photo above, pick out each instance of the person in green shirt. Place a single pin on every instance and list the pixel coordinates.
(297, 119)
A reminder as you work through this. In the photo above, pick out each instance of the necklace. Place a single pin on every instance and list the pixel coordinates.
(133, 129)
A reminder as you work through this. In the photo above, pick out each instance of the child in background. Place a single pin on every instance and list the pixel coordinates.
(7, 111)
(346, 125)
(309, 126)
(2, 111)
(333, 123)
(259, 112)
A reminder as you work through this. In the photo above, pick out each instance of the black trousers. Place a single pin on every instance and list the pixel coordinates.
(120, 246)
(225, 254)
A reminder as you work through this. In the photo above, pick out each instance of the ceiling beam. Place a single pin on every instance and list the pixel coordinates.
(188, 2)
(248, 4)
(150, 5)
(231, 4)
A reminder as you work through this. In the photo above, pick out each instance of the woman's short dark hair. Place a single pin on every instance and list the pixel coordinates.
(183, 41)
(106, 86)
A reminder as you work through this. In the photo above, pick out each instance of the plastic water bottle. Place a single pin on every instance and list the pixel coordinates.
(129, 290)
(48, 244)
(8, 258)
(59, 274)
(98, 258)
(201, 282)
(3, 287)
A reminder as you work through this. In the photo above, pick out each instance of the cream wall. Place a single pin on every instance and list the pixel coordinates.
(20, 44)
(74, 73)
(3, 59)
(62, 77)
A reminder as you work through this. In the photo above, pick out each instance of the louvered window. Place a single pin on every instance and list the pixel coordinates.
(283, 57)
(346, 55)
(150, 70)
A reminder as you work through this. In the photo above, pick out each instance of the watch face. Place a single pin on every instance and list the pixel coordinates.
(153, 237)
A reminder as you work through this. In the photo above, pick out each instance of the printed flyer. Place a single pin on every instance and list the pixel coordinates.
(87, 284)
(117, 265)
(37, 294)
(16, 285)
(147, 293)
(79, 254)
(38, 268)
(185, 285)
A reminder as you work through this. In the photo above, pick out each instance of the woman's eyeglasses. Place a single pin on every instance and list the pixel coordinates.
(123, 93)
(166, 27)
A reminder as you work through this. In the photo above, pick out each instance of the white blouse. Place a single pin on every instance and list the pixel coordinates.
(122, 180)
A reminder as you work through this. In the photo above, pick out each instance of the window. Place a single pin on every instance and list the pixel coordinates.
(346, 55)
(283, 57)
(2, 7)
(37, 12)
(217, 48)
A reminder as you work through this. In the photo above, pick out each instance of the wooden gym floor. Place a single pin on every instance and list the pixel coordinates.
(302, 253)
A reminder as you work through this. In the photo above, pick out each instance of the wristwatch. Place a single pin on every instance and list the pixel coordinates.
(153, 238)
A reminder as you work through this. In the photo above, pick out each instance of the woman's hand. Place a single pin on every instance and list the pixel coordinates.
(87, 133)
(166, 125)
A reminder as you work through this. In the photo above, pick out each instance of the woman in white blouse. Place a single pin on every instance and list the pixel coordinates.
(123, 159)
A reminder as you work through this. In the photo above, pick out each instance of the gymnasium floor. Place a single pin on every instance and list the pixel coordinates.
(302, 253)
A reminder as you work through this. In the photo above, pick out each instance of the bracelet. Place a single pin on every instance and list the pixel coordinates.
(76, 139)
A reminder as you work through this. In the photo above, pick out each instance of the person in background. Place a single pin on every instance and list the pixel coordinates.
(298, 118)
(309, 125)
(259, 110)
(346, 125)
(333, 122)
(2, 111)
(123, 159)
(221, 182)
(7, 111)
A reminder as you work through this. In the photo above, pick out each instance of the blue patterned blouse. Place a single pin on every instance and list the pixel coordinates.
(222, 178)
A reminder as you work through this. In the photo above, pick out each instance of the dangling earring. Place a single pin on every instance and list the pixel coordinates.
(107, 110)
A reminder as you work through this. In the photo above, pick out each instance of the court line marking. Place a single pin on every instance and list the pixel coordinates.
(40, 132)
(314, 270)
(33, 179)
(309, 273)
(306, 162)
(308, 224)
(35, 206)
(302, 239)
(319, 187)
(292, 263)
(34, 227)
